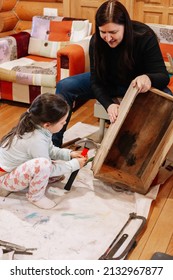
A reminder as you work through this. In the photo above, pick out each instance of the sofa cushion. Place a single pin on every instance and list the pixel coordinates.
(50, 34)
(41, 26)
(45, 48)
(60, 31)
(29, 72)
(73, 31)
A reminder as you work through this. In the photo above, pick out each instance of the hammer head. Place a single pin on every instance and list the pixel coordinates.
(87, 143)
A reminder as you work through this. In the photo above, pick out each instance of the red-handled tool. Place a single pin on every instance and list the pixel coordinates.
(88, 144)
(84, 151)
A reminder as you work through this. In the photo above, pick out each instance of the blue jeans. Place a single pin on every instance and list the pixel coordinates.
(71, 88)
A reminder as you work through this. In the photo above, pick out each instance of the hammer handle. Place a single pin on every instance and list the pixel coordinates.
(74, 173)
(71, 180)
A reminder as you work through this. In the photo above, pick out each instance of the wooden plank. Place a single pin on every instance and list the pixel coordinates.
(114, 129)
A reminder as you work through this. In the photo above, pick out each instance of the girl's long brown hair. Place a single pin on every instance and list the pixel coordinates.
(46, 107)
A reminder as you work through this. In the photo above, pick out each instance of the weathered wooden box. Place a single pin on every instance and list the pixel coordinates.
(136, 145)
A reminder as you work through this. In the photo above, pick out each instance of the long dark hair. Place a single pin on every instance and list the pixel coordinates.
(112, 11)
(46, 107)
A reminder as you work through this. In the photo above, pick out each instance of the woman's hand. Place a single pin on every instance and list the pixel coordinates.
(113, 111)
(142, 83)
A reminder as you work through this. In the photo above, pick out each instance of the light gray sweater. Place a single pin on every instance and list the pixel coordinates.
(37, 144)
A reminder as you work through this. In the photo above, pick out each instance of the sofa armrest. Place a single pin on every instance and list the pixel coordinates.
(73, 59)
(14, 46)
(22, 43)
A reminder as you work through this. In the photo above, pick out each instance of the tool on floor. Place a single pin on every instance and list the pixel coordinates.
(161, 256)
(18, 249)
(121, 238)
(86, 144)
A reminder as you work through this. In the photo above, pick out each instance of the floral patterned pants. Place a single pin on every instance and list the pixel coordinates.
(33, 174)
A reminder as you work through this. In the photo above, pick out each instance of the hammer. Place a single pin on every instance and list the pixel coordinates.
(87, 144)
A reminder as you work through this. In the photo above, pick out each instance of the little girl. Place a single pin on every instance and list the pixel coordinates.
(28, 157)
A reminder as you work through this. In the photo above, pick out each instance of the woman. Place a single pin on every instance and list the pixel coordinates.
(27, 156)
(122, 52)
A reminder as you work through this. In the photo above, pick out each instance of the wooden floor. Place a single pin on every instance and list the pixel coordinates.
(158, 234)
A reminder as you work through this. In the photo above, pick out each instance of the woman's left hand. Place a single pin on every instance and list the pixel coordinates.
(142, 83)
(113, 111)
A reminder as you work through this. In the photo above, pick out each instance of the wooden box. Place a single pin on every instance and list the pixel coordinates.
(136, 145)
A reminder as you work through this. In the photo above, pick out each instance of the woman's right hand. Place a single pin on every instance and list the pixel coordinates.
(82, 161)
(142, 83)
(113, 111)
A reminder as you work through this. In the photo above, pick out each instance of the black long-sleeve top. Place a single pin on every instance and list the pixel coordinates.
(147, 60)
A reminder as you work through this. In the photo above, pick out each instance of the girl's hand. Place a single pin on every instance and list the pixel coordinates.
(113, 111)
(82, 161)
(142, 83)
(76, 154)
